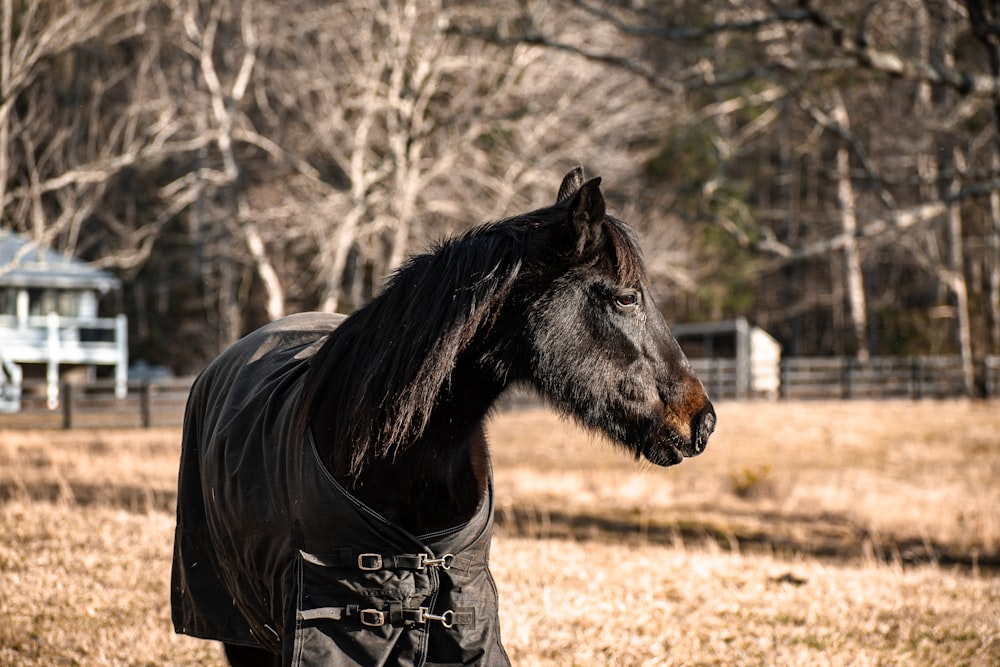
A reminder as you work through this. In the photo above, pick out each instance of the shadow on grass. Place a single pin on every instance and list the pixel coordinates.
(133, 498)
(824, 536)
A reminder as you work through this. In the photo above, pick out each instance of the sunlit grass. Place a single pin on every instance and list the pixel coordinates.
(892, 471)
(571, 603)
(665, 572)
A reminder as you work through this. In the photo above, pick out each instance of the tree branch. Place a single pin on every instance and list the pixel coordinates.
(854, 51)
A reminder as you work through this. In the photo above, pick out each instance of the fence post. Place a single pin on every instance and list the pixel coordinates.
(917, 373)
(783, 378)
(67, 405)
(146, 403)
(846, 373)
(713, 377)
(988, 376)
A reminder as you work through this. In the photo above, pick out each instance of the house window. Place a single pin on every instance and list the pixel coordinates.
(8, 301)
(68, 303)
(65, 303)
(41, 301)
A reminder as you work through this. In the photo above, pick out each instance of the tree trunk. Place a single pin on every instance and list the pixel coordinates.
(6, 33)
(957, 283)
(344, 239)
(993, 263)
(853, 276)
(984, 24)
(265, 270)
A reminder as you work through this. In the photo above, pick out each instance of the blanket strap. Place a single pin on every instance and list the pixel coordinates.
(392, 614)
(368, 561)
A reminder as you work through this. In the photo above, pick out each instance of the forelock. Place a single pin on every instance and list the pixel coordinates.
(627, 255)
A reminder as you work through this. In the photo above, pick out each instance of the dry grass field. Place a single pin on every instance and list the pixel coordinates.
(807, 534)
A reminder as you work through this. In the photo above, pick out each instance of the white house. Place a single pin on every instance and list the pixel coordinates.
(49, 320)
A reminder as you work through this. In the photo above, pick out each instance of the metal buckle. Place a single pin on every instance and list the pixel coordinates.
(444, 562)
(447, 618)
(373, 618)
(369, 562)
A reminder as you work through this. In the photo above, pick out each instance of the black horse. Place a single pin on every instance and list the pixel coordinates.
(335, 498)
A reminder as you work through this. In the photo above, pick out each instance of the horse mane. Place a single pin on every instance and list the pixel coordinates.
(387, 364)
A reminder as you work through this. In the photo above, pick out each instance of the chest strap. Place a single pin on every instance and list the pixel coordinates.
(391, 614)
(368, 561)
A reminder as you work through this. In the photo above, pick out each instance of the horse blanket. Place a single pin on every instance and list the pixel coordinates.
(271, 551)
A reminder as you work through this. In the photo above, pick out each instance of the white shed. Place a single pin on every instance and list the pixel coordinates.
(734, 358)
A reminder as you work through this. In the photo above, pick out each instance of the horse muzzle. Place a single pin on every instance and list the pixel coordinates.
(671, 446)
(702, 426)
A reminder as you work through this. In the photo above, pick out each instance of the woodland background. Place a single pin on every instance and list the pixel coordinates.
(829, 170)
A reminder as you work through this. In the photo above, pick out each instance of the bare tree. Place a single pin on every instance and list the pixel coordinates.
(781, 158)
(55, 171)
(955, 275)
(878, 61)
(395, 129)
(226, 92)
(984, 20)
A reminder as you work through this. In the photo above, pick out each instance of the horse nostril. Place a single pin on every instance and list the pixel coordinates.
(704, 426)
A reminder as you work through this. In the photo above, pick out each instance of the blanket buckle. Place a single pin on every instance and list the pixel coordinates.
(372, 618)
(369, 562)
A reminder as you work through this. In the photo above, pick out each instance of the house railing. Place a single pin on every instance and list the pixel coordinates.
(11, 378)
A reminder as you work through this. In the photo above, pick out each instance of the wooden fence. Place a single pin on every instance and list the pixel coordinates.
(805, 378)
(159, 403)
(147, 404)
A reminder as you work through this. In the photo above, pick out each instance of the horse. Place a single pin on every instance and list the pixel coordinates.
(335, 496)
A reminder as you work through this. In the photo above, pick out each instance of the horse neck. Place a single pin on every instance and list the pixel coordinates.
(437, 479)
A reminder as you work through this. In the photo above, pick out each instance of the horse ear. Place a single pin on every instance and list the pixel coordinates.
(586, 215)
(571, 183)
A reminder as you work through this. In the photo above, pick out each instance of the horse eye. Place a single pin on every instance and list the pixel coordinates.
(627, 300)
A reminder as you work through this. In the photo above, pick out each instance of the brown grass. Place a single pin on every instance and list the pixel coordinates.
(807, 534)
(913, 481)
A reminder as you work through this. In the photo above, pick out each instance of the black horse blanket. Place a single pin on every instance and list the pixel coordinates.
(270, 551)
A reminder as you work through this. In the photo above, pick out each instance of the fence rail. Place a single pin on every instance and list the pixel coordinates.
(161, 402)
(148, 404)
(846, 378)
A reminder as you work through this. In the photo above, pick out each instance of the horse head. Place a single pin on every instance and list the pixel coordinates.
(598, 347)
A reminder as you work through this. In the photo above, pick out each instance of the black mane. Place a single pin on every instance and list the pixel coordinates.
(388, 363)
